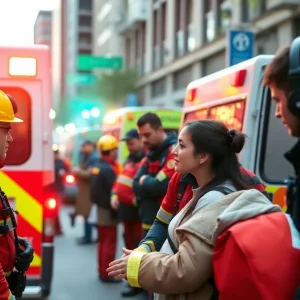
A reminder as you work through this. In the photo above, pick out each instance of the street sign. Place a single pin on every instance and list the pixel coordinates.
(81, 79)
(240, 46)
(90, 62)
(132, 99)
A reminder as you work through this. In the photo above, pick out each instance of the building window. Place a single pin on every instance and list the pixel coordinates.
(214, 63)
(140, 40)
(160, 19)
(163, 33)
(85, 4)
(85, 21)
(224, 16)
(296, 28)
(127, 51)
(182, 78)
(179, 26)
(191, 44)
(210, 21)
(158, 87)
(252, 9)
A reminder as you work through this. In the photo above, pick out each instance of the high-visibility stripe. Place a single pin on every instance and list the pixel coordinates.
(7, 273)
(36, 261)
(30, 209)
(161, 176)
(125, 180)
(146, 226)
(163, 216)
(151, 245)
(279, 195)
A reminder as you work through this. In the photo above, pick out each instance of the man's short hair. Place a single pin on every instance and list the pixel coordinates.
(149, 118)
(277, 70)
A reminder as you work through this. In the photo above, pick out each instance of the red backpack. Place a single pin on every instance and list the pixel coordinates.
(258, 259)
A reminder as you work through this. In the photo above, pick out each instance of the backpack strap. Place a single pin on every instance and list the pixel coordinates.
(181, 189)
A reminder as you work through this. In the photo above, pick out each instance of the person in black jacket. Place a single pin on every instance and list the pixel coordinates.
(151, 181)
(282, 76)
(103, 176)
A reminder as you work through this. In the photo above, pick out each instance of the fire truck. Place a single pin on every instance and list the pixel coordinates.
(28, 175)
(237, 97)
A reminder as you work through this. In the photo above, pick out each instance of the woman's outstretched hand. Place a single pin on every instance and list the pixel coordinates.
(118, 268)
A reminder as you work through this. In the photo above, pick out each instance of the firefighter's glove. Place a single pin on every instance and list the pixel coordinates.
(25, 258)
(16, 283)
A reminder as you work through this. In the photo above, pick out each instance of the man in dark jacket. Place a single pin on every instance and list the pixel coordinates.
(60, 169)
(151, 182)
(103, 176)
(282, 76)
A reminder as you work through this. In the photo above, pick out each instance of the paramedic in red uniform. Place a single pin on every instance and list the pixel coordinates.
(103, 177)
(123, 198)
(151, 182)
(12, 264)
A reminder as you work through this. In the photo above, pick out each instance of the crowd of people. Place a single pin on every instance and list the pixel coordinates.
(182, 198)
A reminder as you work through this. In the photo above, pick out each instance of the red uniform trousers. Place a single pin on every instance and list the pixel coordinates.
(107, 245)
(132, 234)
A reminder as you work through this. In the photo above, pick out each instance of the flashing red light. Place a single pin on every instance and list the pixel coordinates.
(238, 78)
(70, 179)
(51, 203)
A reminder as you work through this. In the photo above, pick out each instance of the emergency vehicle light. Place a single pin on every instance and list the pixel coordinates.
(239, 78)
(22, 66)
(51, 203)
(130, 116)
(69, 179)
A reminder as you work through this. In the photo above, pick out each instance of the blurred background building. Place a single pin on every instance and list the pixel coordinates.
(168, 42)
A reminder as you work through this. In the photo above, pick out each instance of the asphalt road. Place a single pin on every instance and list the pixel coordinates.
(75, 270)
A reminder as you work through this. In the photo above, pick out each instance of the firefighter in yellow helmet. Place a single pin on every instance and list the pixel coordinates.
(16, 253)
(103, 177)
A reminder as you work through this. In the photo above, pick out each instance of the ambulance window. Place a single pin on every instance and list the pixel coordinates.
(200, 114)
(276, 142)
(231, 114)
(20, 149)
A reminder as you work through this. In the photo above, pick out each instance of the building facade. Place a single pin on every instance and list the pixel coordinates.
(107, 41)
(43, 28)
(172, 42)
(71, 36)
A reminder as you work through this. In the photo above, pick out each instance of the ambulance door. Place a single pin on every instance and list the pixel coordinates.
(273, 142)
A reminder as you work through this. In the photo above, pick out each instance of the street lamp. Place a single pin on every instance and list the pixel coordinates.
(60, 130)
(52, 114)
(85, 114)
(70, 127)
(95, 112)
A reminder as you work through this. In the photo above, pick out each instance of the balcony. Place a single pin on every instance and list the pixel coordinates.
(84, 46)
(136, 13)
(282, 4)
(84, 29)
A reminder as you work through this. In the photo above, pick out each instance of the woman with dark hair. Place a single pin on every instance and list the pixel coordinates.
(183, 268)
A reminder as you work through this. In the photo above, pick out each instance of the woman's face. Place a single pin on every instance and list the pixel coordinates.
(185, 159)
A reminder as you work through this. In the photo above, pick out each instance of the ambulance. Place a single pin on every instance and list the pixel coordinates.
(118, 122)
(236, 97)
(28, 175)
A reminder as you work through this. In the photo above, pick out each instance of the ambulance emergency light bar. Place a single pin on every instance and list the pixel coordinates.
(22, 66)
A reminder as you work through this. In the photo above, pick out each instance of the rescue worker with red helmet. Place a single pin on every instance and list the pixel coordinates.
(16, 253)
(123, 198)
(103, 177)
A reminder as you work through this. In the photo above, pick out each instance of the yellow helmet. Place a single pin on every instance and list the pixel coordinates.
(107, 142)
(8, 108)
